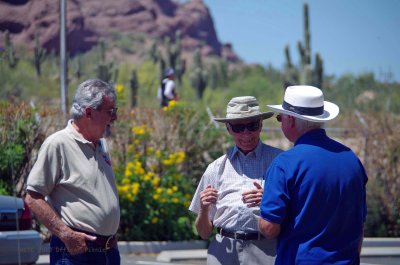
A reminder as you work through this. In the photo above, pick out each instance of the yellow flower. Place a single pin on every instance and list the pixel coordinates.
(138, 168)
(169, 191)
(171, 103)
(135, 188)
(156, 181)
(146, 177)
(125, 180)
(174, 200)
(167, 162)
(156, 196)
(119, 88)
(159, 190)
(163, 200)
(154, 220)
(175, 188)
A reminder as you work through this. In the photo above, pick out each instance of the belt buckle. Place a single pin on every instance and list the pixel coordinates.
(107, 245)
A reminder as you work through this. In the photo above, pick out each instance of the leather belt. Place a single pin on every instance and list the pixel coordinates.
(240, 235)
(104, 242)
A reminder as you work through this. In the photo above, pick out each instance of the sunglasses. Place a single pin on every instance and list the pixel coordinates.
(251, 127)
(279, 118)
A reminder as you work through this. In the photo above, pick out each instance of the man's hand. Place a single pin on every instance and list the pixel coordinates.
(253, 197)
(208, 196)
(76, 241)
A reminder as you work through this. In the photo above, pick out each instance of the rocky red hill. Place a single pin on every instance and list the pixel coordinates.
(90, 20)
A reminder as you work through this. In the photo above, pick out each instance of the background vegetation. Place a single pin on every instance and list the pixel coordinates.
(160, 154)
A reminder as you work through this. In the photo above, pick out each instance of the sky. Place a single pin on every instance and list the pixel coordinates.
(352, 36)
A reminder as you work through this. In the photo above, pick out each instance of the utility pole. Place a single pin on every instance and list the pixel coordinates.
(63, 61)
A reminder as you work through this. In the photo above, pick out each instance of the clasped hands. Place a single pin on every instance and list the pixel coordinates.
(251, 198)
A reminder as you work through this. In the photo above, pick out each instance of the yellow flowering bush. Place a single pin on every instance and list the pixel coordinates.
(153, 192)
(158, 157)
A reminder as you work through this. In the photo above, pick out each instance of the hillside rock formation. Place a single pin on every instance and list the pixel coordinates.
(90, 20)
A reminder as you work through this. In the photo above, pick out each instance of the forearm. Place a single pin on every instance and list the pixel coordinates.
(46, 215)
(361, 242)
(203, 224)
(268, 229)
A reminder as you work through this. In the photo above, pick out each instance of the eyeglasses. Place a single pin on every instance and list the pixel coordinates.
(251, 127)
(112, 111)
(279, 118)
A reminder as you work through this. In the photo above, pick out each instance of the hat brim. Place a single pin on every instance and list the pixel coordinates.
(263, 116)
(331, 110)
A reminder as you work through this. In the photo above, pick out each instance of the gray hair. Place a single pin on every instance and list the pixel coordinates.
(304, 125)
(90, 93)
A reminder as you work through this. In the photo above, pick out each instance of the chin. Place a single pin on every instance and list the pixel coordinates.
(107, 132)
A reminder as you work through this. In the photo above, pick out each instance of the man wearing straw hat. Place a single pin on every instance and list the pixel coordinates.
(314, 200)
(229, 193)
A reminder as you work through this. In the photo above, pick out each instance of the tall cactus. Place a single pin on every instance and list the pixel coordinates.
(9, 50)
(290, 74)
(106, 71)
(198, 76)
(78, 67)
(39, 55)
(172, 57)
(308, 75)
(134, 88)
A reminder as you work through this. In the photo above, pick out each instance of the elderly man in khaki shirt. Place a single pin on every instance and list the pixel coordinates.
(71, 188)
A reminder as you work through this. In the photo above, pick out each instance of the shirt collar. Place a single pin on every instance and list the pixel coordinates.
(311, 136)
(256, 152)
(75, 134)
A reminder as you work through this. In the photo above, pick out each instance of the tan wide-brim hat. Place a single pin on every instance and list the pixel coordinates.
(307, 103)
(241, 108)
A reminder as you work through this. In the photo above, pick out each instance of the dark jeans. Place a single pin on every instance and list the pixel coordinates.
(95, 255)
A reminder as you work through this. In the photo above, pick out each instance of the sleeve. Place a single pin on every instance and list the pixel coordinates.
(276, 197)
(210, 176)
(45, 173)
(159, 92)
(169, 89)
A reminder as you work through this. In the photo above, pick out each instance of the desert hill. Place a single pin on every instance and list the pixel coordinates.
(90, 21)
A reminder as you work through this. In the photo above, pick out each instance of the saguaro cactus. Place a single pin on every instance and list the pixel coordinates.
(106, 70)
(198, 76)
(39, 55)
(307, 74)
(134, 88)
(9, 50)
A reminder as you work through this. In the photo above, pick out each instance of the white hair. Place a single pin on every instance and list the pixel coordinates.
(90, 93)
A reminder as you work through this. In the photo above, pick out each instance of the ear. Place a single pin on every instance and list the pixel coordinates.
(88, 112)
(292, 121)
(228, 128)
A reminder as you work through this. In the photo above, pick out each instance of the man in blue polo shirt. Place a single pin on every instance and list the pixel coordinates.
(314, 200)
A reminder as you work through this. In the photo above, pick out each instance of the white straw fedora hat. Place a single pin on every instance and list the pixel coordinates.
(240, 108)
(307, 103)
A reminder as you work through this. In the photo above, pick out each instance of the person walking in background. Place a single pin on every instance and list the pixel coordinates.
(71, 188)
(230, 190)
(167, 89)
(314, 199)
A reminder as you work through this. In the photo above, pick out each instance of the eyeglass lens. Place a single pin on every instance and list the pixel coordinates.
(252, 127)
(113, 111)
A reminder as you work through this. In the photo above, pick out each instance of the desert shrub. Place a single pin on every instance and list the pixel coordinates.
(382, 162)
(21, 135)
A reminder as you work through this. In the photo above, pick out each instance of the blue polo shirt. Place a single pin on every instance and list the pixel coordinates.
(316, 192)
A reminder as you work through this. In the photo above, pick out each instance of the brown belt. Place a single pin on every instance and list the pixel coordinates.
(105, 242)
(240, 235)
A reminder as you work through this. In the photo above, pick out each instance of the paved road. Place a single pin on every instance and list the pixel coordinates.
(148, 259)
(151, 259)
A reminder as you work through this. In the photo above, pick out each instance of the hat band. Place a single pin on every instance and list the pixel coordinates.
(303, 110)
